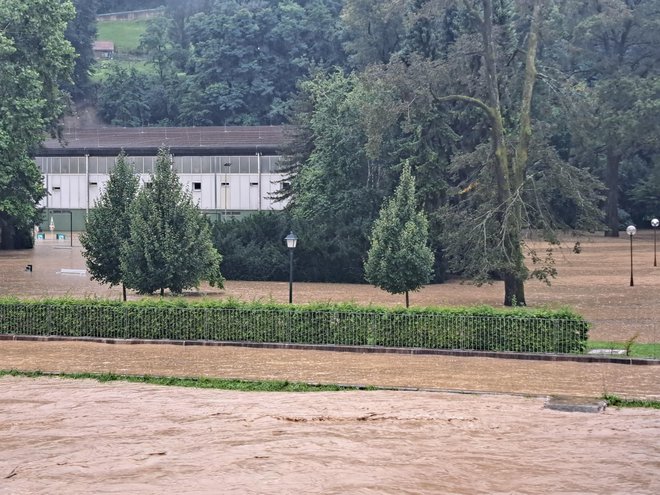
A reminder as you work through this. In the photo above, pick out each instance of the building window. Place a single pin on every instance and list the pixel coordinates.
(286, 186)
(224, 184)
(197, 186)
(254, 183)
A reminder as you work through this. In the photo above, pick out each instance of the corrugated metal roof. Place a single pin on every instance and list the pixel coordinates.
(201, 139)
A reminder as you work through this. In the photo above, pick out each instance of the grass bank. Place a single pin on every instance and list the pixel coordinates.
(203, 382)
(633, 349)
(614, 401)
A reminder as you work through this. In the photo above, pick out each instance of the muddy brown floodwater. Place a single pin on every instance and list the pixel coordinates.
(80, 436)
(595, 282)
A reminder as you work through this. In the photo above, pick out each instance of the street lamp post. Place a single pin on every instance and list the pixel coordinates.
(631, 231)
(291, 241)
(654, 223)
(226, 186)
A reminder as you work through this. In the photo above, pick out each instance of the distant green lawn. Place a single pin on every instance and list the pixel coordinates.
(636, 349)
(125, 34)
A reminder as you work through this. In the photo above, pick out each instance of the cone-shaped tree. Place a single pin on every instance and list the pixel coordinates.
(170, 241)
(108, 225)
(400, 259)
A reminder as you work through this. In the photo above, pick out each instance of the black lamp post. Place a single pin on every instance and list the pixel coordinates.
(654, 223)
(225, 185)
(291, 241)
(631, 231)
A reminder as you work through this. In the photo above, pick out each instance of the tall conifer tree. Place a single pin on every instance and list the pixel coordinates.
(108, 225)
(170, 241)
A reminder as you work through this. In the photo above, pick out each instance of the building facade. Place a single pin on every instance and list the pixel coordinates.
(229, 171)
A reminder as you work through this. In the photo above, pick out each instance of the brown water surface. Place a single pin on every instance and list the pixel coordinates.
(79, 437)
(596, 283)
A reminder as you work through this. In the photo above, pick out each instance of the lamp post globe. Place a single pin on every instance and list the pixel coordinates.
(655, 223)
(291, 243)
(291, 240)
(631, 231)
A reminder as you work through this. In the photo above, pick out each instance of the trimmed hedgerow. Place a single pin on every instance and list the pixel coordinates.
(469, 328)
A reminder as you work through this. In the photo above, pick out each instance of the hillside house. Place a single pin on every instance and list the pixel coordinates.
(103, 49)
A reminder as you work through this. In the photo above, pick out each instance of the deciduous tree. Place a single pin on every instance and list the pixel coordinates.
(615, 59)
(35, 61)
(81, 32)
(400, 260)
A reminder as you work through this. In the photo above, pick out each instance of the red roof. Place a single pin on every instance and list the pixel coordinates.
(104, 46)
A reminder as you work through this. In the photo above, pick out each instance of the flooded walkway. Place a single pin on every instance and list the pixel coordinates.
(473, 374)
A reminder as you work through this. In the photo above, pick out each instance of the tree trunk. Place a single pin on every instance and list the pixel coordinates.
(12, 237)
(6, 241)
(525, 132)
(516, 274)
(509, 171)
(514, 290)
(497, 127)
(612, 203)
(123, 291)
(407, 300)
(7, 236)
(162, 291)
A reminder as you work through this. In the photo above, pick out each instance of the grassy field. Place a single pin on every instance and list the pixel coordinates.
(125, 34)
(103, 67)
(126, 37)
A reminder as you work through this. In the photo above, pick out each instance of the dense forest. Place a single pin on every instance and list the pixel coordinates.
(516, 116)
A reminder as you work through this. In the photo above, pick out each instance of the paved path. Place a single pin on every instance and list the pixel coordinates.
(384, 370)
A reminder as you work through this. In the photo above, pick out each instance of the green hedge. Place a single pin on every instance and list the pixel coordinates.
(470, 328)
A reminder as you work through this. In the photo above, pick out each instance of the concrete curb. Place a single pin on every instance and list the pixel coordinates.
(575, 404)
(579, 358)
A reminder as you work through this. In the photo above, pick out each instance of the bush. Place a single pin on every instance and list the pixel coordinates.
(475, 328)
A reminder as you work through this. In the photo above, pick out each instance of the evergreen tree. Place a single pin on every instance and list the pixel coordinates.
(400, 259)
(170, 241)
(108, 225)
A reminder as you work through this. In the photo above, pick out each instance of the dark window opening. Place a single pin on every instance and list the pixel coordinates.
(197, 186)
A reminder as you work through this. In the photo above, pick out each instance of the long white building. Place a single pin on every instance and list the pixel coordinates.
(230, 171)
